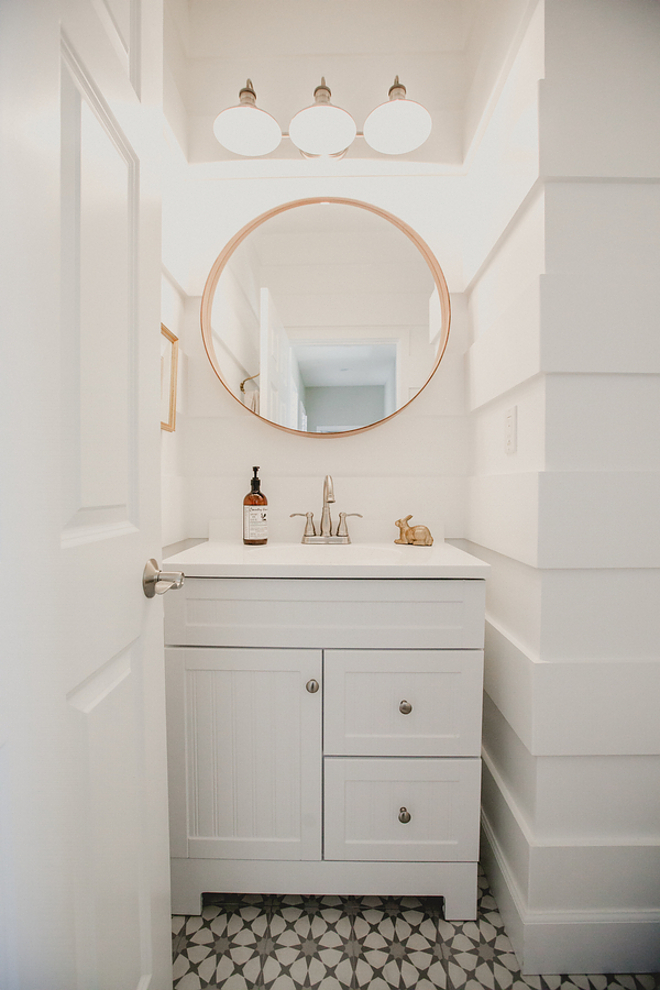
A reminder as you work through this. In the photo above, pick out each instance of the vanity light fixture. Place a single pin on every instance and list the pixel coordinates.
(245, 129)
(399, 125)
(324, 130)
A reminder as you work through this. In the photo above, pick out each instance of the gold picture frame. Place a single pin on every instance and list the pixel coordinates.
(169, 359)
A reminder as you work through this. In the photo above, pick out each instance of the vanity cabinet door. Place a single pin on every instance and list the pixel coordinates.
(403, 702)
(245, 753)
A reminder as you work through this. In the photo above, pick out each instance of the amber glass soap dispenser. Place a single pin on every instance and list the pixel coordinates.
(255, 514)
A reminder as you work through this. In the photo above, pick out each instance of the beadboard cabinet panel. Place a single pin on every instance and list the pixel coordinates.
(251, 733)
(402, 702)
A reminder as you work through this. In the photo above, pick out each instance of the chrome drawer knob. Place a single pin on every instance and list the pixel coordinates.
(404, 816)
(405, 708)
(312, 686)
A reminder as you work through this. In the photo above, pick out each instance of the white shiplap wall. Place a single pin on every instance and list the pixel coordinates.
(557, 224)
(565, 320)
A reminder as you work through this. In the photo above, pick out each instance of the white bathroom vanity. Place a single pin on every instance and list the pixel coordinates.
(324, 721)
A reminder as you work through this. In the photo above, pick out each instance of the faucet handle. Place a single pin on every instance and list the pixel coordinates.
(309, 525)
(342, 528)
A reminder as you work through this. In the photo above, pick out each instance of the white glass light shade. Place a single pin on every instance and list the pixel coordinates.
(322, 129)
(397, 126)
(246, 130)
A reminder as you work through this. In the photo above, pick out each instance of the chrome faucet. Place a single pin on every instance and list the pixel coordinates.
(325, 536)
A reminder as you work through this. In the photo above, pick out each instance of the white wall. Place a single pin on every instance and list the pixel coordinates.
(358, 50)
(417, 462)
(551, 239)
(564, 310)
(174, 520)
(343, 407)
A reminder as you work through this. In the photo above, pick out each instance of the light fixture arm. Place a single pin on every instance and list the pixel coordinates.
(322, 93)
(397, 90)
(247, 96)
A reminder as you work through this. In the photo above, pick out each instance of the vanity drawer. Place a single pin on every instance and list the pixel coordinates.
(290, 612)
(365, 797)
(403, 702)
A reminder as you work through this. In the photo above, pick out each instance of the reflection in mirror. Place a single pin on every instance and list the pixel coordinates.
(325, 318)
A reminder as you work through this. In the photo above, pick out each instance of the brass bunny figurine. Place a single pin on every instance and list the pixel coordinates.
(418, 536)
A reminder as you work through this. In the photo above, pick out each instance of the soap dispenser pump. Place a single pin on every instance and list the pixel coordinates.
(255, 514)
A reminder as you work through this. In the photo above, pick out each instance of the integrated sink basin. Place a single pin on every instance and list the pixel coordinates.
(295, 560)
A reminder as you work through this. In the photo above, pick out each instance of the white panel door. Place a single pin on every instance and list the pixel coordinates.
(274, 365)
(84, 894)
(245, 753)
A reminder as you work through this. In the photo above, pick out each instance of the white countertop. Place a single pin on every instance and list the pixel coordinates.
(297, 560)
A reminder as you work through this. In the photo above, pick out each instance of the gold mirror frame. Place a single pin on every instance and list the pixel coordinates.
(226, 253)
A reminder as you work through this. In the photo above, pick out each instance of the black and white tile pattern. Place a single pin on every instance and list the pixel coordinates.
(266, 942)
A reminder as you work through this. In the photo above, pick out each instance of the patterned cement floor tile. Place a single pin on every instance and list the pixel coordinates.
(294, 942)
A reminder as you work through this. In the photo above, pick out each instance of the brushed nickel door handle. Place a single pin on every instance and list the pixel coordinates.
(157, 582)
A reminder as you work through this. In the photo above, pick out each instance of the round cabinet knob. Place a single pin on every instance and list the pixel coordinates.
(312, 686)
(405, 708)
(404, 815)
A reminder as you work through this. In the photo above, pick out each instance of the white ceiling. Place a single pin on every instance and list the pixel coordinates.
(448, 53)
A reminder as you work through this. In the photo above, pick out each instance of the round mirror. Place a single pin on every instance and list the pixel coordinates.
(325, 316)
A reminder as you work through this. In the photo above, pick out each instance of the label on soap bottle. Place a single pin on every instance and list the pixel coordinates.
(255, 522)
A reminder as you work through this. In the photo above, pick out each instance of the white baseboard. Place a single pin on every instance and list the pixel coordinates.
(549, 942)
